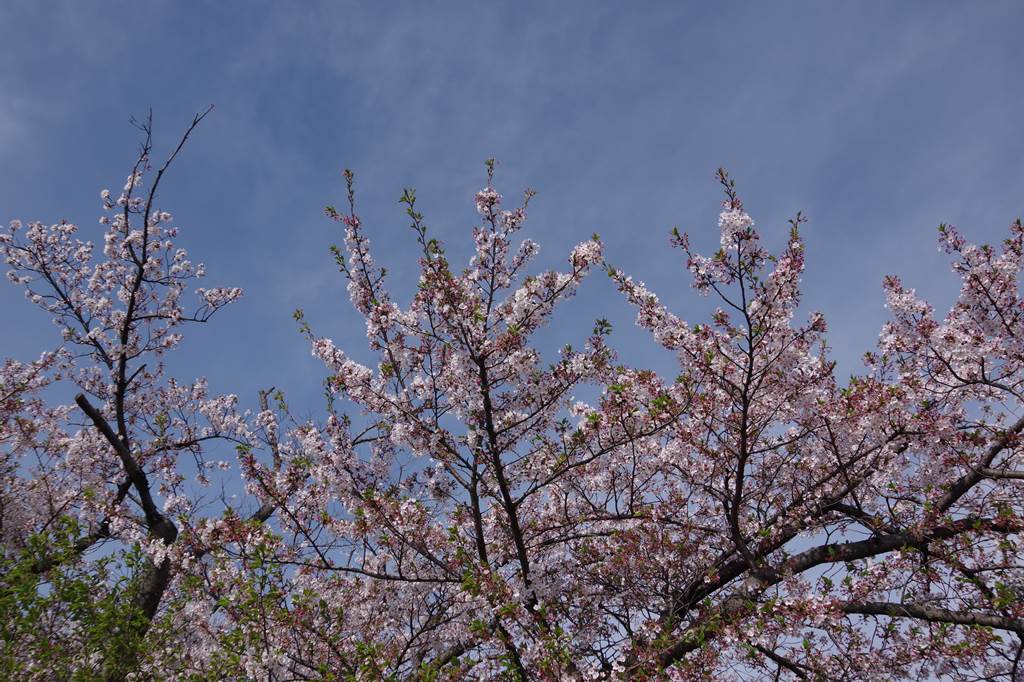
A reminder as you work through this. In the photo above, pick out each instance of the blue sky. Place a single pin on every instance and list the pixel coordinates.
(879, 120)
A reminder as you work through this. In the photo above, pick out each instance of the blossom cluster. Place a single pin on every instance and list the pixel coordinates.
(474, 506)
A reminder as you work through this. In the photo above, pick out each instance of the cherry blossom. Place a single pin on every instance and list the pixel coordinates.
(460, 511)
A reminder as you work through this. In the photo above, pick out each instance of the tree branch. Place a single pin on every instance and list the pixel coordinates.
(934, 614)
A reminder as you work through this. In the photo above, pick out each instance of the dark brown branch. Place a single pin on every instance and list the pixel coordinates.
(964, 484)
(1001, 473)
(934, 614)
(738, 603)
(102, 532)
(782, 661)
(158, 524)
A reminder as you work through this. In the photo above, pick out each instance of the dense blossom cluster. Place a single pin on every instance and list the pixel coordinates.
(749, 518)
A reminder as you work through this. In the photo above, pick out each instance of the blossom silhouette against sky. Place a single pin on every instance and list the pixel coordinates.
(877, 121)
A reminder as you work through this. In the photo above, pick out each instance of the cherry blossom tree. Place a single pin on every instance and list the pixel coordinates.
(106, 471)
(459, 512)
